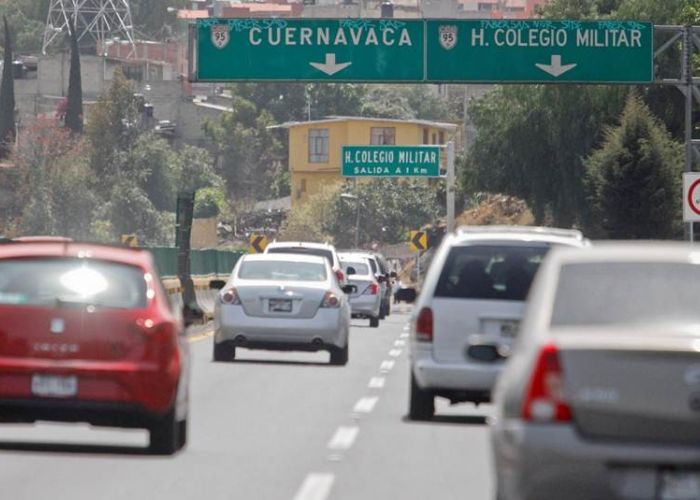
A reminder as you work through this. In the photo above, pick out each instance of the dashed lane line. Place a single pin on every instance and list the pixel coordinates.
(399, 343)
(395, 353)
(387, 365)
(365, 405)
(316, 486)
(404, 335)
(343, 438)
(376, 382)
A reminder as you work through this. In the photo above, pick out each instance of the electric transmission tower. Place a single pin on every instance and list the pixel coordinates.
(98, 20)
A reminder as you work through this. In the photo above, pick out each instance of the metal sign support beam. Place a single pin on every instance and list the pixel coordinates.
(683, 40)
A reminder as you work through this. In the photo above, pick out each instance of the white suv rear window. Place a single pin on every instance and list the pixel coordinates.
(490, 272)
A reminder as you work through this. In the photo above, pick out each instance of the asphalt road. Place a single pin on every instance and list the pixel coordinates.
(271, 426)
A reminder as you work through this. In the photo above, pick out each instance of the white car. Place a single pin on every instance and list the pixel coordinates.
(469, 310)
(282, 302)
(325, 250)
(366, 301)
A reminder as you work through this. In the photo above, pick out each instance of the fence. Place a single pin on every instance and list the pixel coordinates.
(202, 262)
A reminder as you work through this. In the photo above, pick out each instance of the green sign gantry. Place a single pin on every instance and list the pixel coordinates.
(441, 50)
(540, 51)
(310, 49)
(391, 161)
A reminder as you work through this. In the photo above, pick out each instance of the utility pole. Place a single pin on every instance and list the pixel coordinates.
(450, 189)
(687, 77)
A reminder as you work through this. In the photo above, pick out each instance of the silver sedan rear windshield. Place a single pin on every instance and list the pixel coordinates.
(66, 282)
(282, 270)
(607, 293)
(490, 272)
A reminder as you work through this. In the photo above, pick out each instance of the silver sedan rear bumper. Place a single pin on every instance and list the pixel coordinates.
(553, 461)
(326, 328)
(367, 305)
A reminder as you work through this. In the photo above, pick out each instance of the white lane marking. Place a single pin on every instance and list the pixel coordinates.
(387, 365)
(376, 382)
(365, 405)
(407, 327)
(343, 438)
(400, 343)
(395, 353)
(316, 486)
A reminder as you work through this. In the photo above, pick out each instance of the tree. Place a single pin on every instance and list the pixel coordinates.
(112, 128)
(245, 150)
(530, 143)
(29, 19)
(7, 98)
(74, 109)
(55, 182)
(405, 102)
(152, 17)
(128, 210)
(633, 179)
(389, 208)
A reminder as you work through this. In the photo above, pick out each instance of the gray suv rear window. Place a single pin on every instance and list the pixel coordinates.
(607, 293)
(490, 272)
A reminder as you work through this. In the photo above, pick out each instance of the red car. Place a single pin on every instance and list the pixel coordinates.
(87, 334)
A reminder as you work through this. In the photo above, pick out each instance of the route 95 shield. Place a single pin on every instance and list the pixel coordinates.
(448, 36)
(220, 35)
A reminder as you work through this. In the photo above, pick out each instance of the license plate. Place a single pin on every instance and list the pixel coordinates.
(280, 305)
(509, 329)
(54, 386)
(676, 485)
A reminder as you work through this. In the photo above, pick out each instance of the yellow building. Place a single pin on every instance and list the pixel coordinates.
(315, 146)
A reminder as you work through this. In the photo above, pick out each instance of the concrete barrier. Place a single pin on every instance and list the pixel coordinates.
(206, 296)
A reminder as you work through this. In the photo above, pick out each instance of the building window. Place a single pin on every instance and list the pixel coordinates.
(426, 136)
(381, 136)
(441, 137)
(434, 138)
(318, 145)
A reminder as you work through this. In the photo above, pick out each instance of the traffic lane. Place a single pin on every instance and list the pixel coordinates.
(256, 427)
(392, 457)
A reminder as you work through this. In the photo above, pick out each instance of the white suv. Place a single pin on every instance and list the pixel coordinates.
(468, 312)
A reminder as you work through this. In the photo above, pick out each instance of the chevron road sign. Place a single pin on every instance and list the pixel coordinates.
(258, 242)
(418, 241)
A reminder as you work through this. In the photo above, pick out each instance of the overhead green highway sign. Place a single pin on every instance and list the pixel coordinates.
(539, 51)
(391, 161)
(413, 50)
(310, 49)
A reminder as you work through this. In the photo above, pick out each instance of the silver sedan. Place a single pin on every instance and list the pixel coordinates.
(601, 397)
(282, 302)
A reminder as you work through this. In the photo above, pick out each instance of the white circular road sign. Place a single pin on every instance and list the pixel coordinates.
(691, 197)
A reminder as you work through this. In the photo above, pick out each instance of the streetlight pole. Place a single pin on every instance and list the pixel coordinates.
(357, 222)
(348, 196)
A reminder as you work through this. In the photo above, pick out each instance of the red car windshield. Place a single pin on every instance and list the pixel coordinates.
(60, 282)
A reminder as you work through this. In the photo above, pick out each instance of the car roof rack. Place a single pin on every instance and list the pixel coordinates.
(554, 231)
